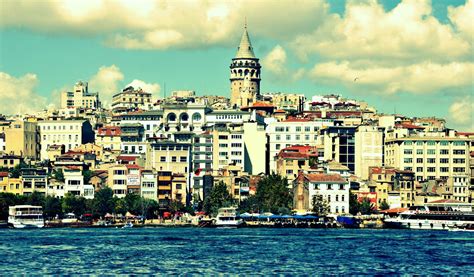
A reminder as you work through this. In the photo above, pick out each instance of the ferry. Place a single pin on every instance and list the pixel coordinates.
(430, 218)
(25, 216)
(468, 227)
(228, 217)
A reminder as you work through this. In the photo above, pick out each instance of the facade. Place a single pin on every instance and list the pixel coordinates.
(331, 187)
(339, 145)
(21, 138)
(460, 184)
(429, 157)
(117, 180)
(286, 101)
(70, 133)
(131, 99)
(34, 179)
(80, 97)
(368, 149)
(295, 159)
(244, 74)
(149, 185)
(109, 137)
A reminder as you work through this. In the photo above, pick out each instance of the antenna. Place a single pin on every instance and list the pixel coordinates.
(245, 22)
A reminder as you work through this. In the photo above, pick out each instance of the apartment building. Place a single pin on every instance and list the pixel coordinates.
(109, 137)
(429, 157)
(368, 149)
(34, 179)
(70, 133)
(294, 159)
(293, 131)
(131, 99)
(21, 138)
(149, 185)
(169, 156)
(80, 97)
(339, 145)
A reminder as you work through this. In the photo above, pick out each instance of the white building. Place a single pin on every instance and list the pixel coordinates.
(283, 134)
(461, 190)
(131, 99)
(70, 133)
(80, 97)
(149, 185)
(368, 149)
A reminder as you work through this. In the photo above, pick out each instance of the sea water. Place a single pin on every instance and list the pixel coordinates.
(235, 251)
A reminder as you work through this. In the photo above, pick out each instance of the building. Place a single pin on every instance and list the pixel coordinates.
(21, 138)
(383, 179)
(368, 149)
(293, 131)
(117, 180)
(131, 99)
(169, 156)
(80, 97)
(109, 137)
(286, 101)
(333, 189)
(33, 179)
(10, 161)
(460, 184)
(339, 145)
(244, 74)
(430, 157)
(295, 159)
(149, 185)
(404, 182)
(70, 133)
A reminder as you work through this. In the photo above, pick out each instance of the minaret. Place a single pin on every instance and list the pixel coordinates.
(244, 74)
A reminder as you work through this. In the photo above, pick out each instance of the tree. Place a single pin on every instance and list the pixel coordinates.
(58, 175)
(87, 176)
(35, 199)
(354, 205)
(384, 205)
(175, 206)
(133, 203)
(120, 206)
(218, 197)
(7, 200)
(52, 207)
(15, 171)
(103, 202)
(249, 205)
(273, 194)
(366, 207)
(74, 204)
(320, 205)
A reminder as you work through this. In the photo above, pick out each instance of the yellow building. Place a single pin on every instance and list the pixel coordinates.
(21, 138)
(178, 184)
(109, 137)
(10, 185)
(169, 156)
(291, 160)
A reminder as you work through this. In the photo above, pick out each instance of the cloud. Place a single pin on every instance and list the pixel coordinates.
(158, 24)
(18, 95)
(462, 18)
(107, 82)
(275, 62)
(461, 113)
(408, 33)
(421, 78)
(153, 88)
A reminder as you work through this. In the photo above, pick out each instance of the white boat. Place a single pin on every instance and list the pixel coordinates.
(462, 228)
(430, 218)
(25, 216)
(128, 225)
(228, 217)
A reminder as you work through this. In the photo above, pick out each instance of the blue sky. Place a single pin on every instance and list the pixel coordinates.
(412, 57)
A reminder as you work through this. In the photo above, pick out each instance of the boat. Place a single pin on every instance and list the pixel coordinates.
(467, 227)
(128, 225)
(430, 218)
(228, 217)
(25, 216)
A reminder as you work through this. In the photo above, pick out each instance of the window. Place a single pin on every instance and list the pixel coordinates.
(431, 160)
(279, 129)
(183, 159)
(306, 137)
(459, 152)
(337, 198)
(278, 137)
(444, 169)
(444, 151)
(236, 145)
(407, 151)
(431, 169)
(407, 160)
(458, 143)
(288, 137)
(459, 169)
(419, 151)
(329, 198)
(419, 143)
(173, 159)
(444, 160)
(277, 146)
(431, 143)
(431, 152)
(307, 129)
(162, 159)
(419, 160)
(342, 199)
(408, 142)
(298, 129)
(419, 169)
(459, 161)
(444, 143)
(297, 137)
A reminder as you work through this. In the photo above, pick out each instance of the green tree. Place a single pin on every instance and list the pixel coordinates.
(384, 205)
(218, 197)
(175, 206)
(366, 207)
(354, 205)
(7, 200)
(87, 176)
(103, 202)
(74, 204)
(36, 199)
(249, 205)
(52, 207)
(320, 205)
(58, 175)
(15, 171)
(150, 207)
(120, 206)
(273, 194)
(133, 203)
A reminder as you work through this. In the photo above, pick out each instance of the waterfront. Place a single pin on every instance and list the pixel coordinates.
(239, 251)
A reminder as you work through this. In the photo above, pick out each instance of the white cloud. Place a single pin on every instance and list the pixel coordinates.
(275, 61)
(18, 95)
(421, 78)
(107, 82)
(153, 88)
(461, 113)
(462, 18)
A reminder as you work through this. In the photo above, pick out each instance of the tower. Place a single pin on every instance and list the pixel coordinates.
(244, 74)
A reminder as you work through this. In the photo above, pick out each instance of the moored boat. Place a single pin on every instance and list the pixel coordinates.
(25, 216)
(228, 217)
(467, 227)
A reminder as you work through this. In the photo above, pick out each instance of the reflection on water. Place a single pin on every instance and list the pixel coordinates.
(241, 251)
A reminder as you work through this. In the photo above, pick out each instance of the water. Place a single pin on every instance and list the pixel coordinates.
(237, 251)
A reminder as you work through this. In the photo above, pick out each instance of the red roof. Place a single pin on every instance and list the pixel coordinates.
(4, 174)
(110, 131)
(127, 158)
(280, 111)
(380, 170)
(262, 105)
(409, 126)
(295, 119)
(298, 152)
(133, 166)
(394, 210)
(325, 178)
(446, 201)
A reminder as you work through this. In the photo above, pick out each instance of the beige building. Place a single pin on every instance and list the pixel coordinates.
(109, 137)
(131, 99)
(244, 74)
(80, 97)
(70, 133)
(295, 159)
(178, 189)
(21, 138)
(368, 150)
(169, 156)
(286, 101)
(429, 157)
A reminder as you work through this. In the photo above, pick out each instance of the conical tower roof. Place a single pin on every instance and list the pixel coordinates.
(245, 50)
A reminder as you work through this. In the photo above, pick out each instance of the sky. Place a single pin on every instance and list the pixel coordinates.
(411, 57)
